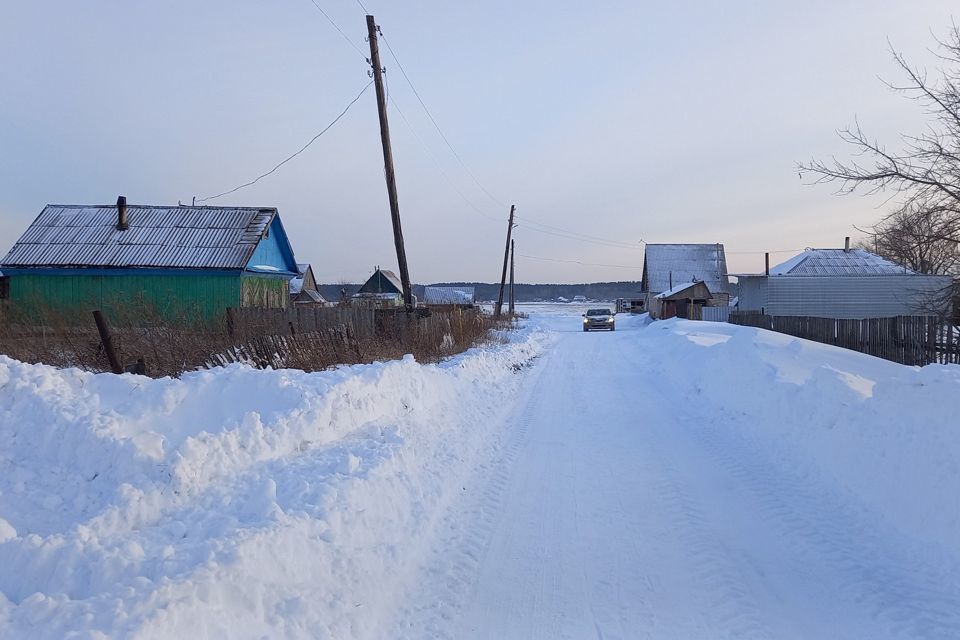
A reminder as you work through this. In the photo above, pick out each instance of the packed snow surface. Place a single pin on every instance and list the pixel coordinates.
(669, 480)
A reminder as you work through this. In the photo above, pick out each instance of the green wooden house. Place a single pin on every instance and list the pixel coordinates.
(179, 260)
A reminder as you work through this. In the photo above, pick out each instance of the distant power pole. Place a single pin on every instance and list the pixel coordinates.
(512, 252)
(388, 163)
(506, 255)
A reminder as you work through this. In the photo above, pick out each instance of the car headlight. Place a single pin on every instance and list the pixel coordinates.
(609, 319)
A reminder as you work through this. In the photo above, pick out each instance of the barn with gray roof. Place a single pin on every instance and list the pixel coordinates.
(669, 266)
(176, 259)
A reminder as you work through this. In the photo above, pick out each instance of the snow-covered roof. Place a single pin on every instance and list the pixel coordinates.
(296, 284)
(666, 263)
(448, 295)
(157, 237)
(838, 262)
(678, 288)
(314, 296)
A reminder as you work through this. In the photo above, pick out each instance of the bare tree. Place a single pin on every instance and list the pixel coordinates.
(924, 232)
(926, 171)
(919, 236)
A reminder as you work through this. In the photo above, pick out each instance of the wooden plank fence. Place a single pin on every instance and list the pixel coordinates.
(247, 322)
(911, 340)
(315, 349)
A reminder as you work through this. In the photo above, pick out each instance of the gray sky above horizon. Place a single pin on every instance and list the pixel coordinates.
(674, 122)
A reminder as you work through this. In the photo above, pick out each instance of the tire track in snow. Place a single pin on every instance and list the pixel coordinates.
(909, 594)
(727, 603)
(464, 533)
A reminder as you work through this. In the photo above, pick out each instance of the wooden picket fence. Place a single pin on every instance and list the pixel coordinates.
(911, 340)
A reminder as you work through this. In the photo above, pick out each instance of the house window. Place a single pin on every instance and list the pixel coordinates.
(4, 287)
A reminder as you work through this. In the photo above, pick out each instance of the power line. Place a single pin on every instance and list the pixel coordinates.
(573, 235)
(400, 112)
(761, 252)
(585, 264)
(436, 125)
(365, 12)
(294, 155)
(557, 231)
(337, 27)
(437, 163)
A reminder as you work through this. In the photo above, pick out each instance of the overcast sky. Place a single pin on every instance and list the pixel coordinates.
(626, 121)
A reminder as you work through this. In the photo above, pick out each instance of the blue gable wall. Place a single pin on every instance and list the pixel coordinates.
(274, 250)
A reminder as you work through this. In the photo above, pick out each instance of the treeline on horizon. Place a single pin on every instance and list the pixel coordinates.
(486, 292)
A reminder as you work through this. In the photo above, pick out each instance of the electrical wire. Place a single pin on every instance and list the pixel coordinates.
(573, 235)
(761, 252)
(436, 162)
(294, 155)
(436, 125)
(585, 264)
(337, 27)
(531, 224)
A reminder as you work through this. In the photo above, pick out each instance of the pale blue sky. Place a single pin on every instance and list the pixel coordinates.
(667, 122)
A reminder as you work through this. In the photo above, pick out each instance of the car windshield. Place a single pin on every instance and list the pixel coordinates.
(598, 312)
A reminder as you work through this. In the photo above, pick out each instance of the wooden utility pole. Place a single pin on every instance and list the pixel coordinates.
(388, 163)
(510, 307)
(506, 255)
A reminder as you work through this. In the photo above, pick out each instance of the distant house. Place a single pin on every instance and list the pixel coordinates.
(303, 288)
(666, 266)
(382, 289)
(443, 296)
(840, 283)
(175, 259)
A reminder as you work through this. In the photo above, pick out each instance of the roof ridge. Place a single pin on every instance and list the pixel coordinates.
(184, 207)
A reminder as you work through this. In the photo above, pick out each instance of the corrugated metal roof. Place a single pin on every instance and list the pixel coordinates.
(314, 296)
(678, 263)
(158, 237)
(838, 262)
(448, 295)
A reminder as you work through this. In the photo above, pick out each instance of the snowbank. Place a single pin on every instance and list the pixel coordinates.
(885, 435)
(234, 502)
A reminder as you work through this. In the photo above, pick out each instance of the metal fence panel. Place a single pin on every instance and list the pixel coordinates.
(716, 314)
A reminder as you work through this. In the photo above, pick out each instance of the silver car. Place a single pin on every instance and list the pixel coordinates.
(599, 319)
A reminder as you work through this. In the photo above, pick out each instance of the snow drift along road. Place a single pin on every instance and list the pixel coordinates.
(233, 503)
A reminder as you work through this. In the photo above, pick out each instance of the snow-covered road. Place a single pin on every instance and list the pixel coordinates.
(632, 502)
(674, 480)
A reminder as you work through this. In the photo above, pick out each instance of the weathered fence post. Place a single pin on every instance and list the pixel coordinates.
(107, 342)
